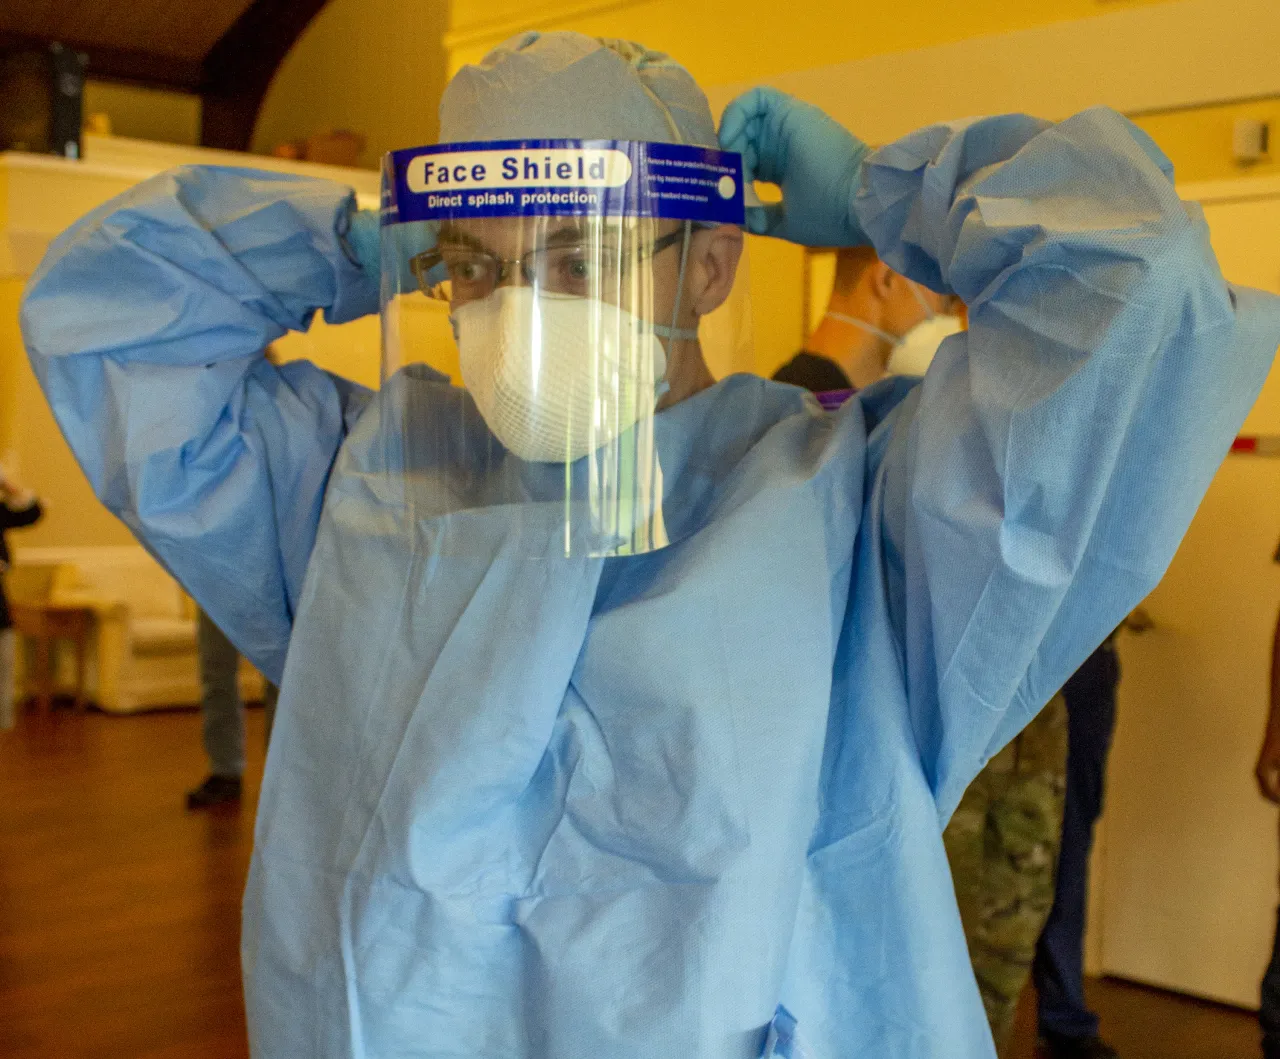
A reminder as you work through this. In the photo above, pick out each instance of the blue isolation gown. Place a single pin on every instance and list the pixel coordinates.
(687, 804)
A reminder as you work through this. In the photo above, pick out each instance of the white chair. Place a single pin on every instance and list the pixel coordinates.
(143, 653)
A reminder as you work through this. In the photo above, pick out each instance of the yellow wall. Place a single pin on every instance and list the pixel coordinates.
(1198, 140)
(10, 352)
(10, 290)
(351, 67)
(34, 452)
(145, 113)
(719, 41)
(31, 446)
(376, 67)
(722, 42)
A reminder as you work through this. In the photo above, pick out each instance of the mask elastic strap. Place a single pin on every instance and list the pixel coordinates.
(688, 334)
(893, 340)
(915, 289)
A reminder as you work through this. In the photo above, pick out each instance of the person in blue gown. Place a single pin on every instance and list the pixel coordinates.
(688, 802)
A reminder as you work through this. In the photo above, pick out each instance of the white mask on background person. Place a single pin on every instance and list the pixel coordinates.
(911, 353)
(558, 376)
(914, 352)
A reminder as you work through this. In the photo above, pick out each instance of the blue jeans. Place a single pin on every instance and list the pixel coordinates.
(1058, 969)
(221, 712)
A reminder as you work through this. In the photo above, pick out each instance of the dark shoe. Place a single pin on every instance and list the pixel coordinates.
(1056, 1046)
(216, 790)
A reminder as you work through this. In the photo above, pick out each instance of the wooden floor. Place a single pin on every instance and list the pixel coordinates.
(1142, 1023)
(119, 910)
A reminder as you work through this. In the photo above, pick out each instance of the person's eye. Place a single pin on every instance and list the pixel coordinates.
(467, 270)
(568, 270)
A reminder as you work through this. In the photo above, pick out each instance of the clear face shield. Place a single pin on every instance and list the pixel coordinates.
(549, 278)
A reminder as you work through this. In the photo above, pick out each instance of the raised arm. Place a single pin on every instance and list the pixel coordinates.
(1033, 489)
(146, 325)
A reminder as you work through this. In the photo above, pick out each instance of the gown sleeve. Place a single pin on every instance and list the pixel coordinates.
(146, 325)
(1034, 488)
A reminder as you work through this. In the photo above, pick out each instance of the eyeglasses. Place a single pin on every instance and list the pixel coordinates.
(463, 274)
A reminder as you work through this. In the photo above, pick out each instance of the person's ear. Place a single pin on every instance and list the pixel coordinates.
(881, 281)
(714, 254)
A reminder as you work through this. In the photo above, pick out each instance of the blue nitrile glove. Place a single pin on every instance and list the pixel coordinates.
(363, 237)
(817, 162)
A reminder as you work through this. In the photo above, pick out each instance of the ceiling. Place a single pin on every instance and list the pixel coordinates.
(186, 30)
(224, 50)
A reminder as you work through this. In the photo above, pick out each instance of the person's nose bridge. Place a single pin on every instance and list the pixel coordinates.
(511, 273)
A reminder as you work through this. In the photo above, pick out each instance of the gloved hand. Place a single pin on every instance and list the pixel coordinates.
(363, 240)
(817, 162)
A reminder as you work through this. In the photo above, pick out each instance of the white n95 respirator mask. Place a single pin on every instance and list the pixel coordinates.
(558, 376)
(913, 353)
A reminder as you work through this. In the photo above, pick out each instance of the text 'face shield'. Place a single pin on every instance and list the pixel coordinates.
(561, 269)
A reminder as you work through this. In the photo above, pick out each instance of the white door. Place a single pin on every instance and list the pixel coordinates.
(1189, 858)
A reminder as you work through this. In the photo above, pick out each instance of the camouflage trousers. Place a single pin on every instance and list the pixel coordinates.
(1003, 844)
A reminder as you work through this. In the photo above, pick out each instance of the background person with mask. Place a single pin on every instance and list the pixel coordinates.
(872, 313)
(691, 801)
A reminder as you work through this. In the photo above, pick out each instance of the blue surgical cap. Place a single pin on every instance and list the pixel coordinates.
(569, 86)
